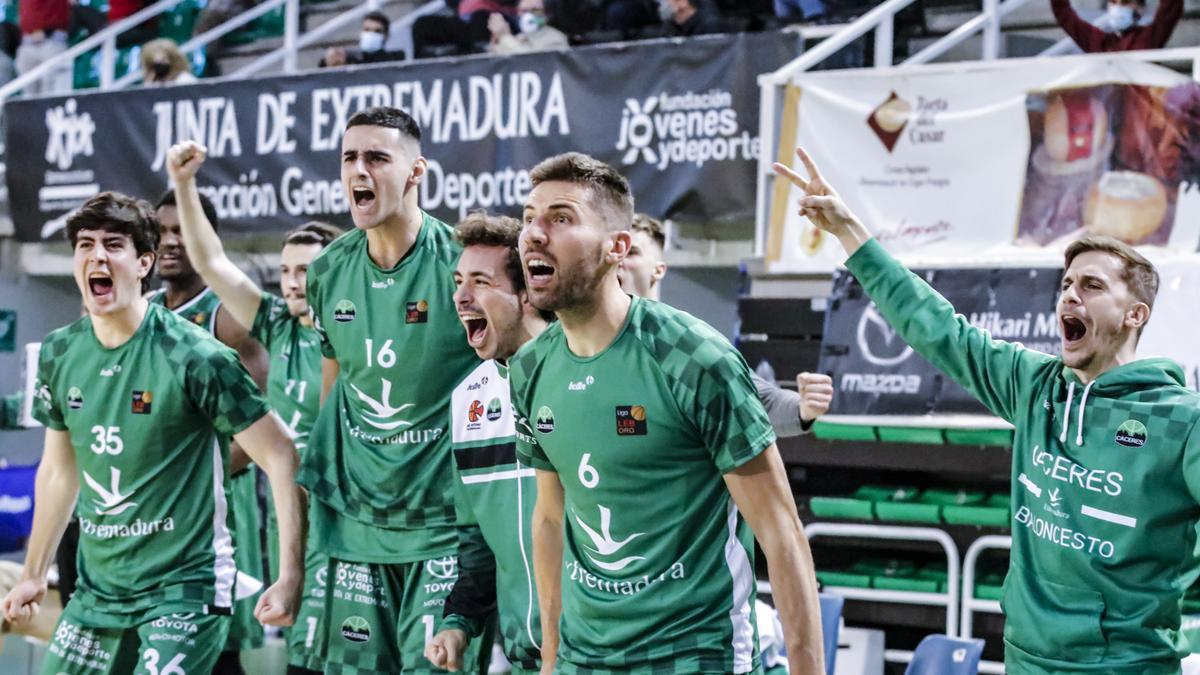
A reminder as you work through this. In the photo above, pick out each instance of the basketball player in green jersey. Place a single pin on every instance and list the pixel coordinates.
(138, 404)
(185, 293)
(284, 327)
(379, 467)
(656, 464)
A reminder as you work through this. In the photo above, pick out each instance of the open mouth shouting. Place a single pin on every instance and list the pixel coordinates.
(1073, 330)
(538, 271)
(100, 285)
(363, 197)
(477, 328)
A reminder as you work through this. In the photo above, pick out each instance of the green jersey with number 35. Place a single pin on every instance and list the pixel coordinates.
(379, 465)
(148, 422)
(658, 565)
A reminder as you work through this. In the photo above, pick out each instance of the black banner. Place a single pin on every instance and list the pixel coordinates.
(679, 119)
(876, 373)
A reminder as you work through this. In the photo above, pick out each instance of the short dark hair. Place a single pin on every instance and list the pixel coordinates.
(381, 18)
(122, 214)
(608, 186)
(388, 117)
(652, 227)
(206, 205)
(313, 232)
(1139, 275)
(481, 229)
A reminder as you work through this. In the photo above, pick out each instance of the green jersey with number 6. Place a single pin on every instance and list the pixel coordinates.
(379, 465)
(658, 565)
(148, 421)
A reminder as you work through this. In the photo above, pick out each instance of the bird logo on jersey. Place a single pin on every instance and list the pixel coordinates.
(603, 543)
(475, 411)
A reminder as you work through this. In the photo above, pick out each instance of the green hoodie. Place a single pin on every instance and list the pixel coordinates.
(1105, 487)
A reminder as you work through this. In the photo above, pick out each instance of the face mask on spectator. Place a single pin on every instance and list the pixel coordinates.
(530, 22)
(370, 41)
(161, 71)
(1120, 17)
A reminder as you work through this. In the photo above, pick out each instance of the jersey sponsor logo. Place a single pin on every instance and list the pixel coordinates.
(442, 568)
(110, 371)
(344, 311)
(475, 411)
(200, 318)
(356, 629)
(545, 420)
(111, 501)
(583, 577)
(383, 284)
(138, 528)
(493, 410)
(141, 403)
(416, 312)
(1131, 434)
(581, 386)
(631, 420)
(382, 410)
(74, 398)
(877, 340)
(603, 543)
(475, 386)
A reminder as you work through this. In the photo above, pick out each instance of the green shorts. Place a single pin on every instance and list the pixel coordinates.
(302, 637)
(378, 617)
(172, 644)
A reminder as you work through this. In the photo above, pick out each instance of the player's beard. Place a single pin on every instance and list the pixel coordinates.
(577, 284)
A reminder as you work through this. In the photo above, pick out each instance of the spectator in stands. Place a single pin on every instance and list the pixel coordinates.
(372, 41)
(163, 64)
(215, 13)
(806, 11)
(44, 35)
(630, 16)
(465, 32)
(535, 33)
(139, 34)
(372, 45)
(1122, 28)
(685, 18)
(10, 41)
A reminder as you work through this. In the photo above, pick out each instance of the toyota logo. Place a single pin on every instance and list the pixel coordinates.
(443, 568)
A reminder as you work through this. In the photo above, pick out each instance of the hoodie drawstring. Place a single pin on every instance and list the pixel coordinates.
(1062, 438)
(1082, 405)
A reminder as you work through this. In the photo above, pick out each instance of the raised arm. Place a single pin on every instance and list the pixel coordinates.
(55, 491)
(547, 532)
(1088, 37)
(1165, 18)
(237, 292)
(267, 443)
(761, 492)
(991, 370)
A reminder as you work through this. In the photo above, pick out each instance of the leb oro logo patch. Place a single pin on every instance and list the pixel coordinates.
(631, 420)
(416, 312)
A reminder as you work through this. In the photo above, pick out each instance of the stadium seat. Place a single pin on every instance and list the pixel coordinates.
(831, 621)
(944, 655)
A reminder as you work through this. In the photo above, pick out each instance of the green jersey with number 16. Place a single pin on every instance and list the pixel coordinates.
(148, 421)
(658, 565)
(379, 465)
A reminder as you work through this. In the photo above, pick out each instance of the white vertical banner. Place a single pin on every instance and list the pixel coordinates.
(991, 163)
